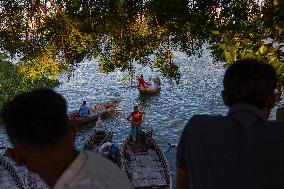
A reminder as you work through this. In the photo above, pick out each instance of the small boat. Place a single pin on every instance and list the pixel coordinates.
(95, 140)
(102, 143)
(9, 177)
(145, 163)
(96, 111)
(155, 90)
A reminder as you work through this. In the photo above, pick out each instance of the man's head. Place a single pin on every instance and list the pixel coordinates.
(249, 81)
(84, 102)
(36, 121)
(141, 75)
(136, 108)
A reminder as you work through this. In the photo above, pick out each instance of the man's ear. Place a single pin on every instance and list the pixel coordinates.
(270, 103)
(225, 98)
(73, 130)
(15, 155)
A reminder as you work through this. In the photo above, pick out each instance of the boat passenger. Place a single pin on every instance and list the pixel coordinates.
(141, 82)
(157, 81)
(37, 125)
(151, 84)
(110, 151)
(136, 120)
(100, 127)
(242, 149)
(84, 110)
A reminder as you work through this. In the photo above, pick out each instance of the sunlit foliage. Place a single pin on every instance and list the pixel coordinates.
(13, 81)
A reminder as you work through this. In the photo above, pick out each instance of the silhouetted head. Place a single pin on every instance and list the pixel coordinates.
(249, 81)
(84, 102)
(141, 75)
(36, 119)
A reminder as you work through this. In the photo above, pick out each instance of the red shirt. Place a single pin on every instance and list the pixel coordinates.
(136, 117)
(141, 81)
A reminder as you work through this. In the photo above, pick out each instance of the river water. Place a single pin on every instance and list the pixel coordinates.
(166, 113)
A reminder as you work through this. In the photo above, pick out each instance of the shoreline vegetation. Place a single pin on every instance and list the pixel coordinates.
(13, 81)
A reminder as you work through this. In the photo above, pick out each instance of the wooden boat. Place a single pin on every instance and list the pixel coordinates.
(95, 140)
(96, 111)
(145, 164)
(102, 143)
(9, 177)
(146, 90)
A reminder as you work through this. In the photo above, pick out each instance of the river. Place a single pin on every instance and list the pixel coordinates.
(166, 113)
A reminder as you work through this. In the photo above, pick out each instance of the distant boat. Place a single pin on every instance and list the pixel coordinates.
(145, 164)
(96, 110)
(147, 90)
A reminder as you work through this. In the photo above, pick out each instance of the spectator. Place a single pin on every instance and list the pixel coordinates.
(242, 150)
(37, 125)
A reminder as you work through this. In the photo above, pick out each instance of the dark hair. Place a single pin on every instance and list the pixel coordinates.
(84, 102)
(141, 75)
(36, 119)
(249, 81)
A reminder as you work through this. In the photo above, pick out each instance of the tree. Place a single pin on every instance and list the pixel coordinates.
(122, 33)
(14, 81)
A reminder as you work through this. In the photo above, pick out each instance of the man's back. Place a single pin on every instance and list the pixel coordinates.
(241, 150)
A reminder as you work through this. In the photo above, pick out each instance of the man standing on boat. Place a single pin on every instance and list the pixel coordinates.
(84, 110)
(141, 82)
(136, 120)
(37, 125)
(242, 150)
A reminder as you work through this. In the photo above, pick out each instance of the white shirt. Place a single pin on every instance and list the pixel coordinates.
(152, 84)
(100, 124)
(100, 127)
(92, 171)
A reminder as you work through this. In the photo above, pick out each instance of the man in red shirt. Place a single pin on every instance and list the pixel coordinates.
(136, 120)
(141, 82)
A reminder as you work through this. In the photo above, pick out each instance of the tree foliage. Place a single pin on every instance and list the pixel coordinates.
(14, 81)
(50, 35)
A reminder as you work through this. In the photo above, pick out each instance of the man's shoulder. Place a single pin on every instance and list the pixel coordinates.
(207, 123)
(103, 171)
(206, 119)
(273, 127)
(96, 157)
(101, 163)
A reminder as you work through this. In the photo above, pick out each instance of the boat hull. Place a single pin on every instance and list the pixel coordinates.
(96, 111)
(149, 91)
(145, 167)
